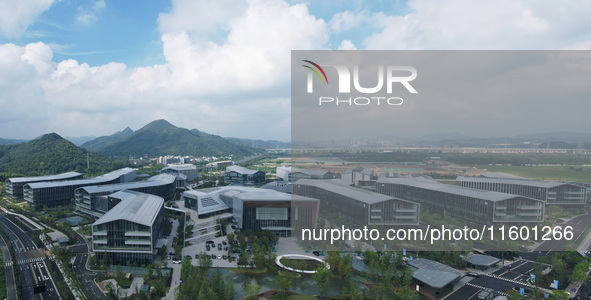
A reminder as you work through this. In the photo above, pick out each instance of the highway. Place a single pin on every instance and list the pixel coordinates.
(30, 263)
(579, 224)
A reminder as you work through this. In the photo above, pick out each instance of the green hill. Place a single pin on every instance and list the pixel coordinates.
(162, 138)
(104, 141)
(52, 154)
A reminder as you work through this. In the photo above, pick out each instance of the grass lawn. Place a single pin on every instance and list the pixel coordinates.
(558, 173)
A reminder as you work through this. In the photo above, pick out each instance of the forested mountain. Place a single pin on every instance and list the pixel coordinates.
(162, 138)
(52, 154)
(104, 141)
(10, 141)
(268, 144)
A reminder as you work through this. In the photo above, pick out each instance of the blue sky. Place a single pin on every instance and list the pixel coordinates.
(94, 67)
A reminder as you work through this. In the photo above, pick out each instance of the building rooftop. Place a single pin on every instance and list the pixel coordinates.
(450, 189)
(482, 260)
(95, 180)
(240, 170)
(434, 274)
(339, 187)
(211, 202)
(160, 179)
(44, 178)
(280, 186)
(502, 175)
(134, 207)
(524, 181)
(362, 170)
(181, 167)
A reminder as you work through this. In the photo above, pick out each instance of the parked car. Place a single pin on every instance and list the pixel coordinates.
(472, 274)
(189, 256)
(316, 253)
(224, 257)
(219, 247)
(207, 248)
(213, 256)
(225, 248)
(196, 256)
(219, 257)
(224, 243)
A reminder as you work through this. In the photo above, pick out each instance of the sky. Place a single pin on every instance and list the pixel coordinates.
(90, 68)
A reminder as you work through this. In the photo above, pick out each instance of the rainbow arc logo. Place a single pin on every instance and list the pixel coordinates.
(318, 68)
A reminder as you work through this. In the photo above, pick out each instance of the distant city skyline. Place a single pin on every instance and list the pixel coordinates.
(93, 68)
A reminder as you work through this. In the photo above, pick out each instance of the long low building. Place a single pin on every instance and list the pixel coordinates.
(55, 193)
(93, 200)
(14, 186)
(189, 170)
(128, 233)
(289, 173)
(241, 175)
(255, 208)
(359, 206)
(551, 192)
(468, 205)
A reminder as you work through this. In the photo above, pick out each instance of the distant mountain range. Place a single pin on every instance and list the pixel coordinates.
(268, 144)
(52, 154)
(162, 138)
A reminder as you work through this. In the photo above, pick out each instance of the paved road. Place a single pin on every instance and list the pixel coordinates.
(579, 224)
(32, 269)
(8, 271)
(85, 276)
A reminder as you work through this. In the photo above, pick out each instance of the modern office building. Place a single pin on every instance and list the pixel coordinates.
(129, 232)
(243, 176)
(57, 193)
(355, 175)
(93, 200)
(551, 192)
(468, 205)
(255, 208)
(359, 206)
(188, 170)
(14, 186)
(289, 173)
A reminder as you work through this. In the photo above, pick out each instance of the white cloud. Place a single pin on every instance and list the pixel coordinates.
(505, 24)
(87, 16)
(200, 82)
(16, 16)
(347, 45)
(226, 61)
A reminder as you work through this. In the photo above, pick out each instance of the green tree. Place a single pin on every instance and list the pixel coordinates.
(252, 290)
(283, 284)
(346, 266)
(321, 277)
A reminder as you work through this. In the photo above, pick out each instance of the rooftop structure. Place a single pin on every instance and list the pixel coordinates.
(57, 193)
(93, 200)
(551, 192)
(289, 173)
(474, 206)
(255, 208)
(360, 206)
(129, 231)
(188, 170)
(243, 176)
(14, 186)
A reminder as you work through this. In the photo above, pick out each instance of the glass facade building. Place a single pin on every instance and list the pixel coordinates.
(361, 207)
(93, 200)
(243, 176)
(129, 231)
(57, 193)
(468, 205)
(256, 209)
(551, 192)
(14, 186)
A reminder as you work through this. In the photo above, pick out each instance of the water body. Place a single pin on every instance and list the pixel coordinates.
(303, 285)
